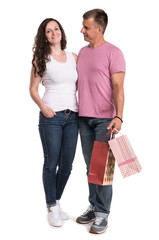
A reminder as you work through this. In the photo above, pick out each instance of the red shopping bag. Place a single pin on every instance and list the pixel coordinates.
(125, 156)
(102, 165)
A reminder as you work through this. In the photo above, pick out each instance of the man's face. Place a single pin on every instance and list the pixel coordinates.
(90, 30)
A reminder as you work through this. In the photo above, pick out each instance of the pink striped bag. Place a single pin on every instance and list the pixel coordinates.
(125, 156)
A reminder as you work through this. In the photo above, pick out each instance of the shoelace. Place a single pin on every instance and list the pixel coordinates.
(98, 220)
(87, 211)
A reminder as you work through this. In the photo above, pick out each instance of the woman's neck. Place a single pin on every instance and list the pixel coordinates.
(56, 50)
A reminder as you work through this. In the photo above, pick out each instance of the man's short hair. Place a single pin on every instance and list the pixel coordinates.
(100, 17)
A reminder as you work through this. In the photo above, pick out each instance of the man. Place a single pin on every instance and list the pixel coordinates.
(101, 71)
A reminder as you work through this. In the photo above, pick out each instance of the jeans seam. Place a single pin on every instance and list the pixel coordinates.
(58, 185)
(44, 140)
(45, 154)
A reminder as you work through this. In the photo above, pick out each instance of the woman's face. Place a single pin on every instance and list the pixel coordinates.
(53, 33)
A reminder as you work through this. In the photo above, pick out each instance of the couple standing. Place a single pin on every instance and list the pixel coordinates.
(100, 72)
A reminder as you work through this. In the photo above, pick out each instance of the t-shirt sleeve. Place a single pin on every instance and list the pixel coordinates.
(117, 61)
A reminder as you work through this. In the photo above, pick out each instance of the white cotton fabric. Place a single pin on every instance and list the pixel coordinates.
(60, 84)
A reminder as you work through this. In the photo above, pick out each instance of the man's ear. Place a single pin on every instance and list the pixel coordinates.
(101, 29)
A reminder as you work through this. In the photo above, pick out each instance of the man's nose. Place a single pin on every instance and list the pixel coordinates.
(82, 30)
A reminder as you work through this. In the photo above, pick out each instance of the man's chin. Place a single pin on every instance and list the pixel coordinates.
(86, 39)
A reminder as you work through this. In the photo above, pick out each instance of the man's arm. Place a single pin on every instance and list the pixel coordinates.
(118, 97)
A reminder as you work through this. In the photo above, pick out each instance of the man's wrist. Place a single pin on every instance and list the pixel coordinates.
(119, 118)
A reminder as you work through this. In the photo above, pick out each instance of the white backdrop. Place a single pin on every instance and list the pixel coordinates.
(133, 27)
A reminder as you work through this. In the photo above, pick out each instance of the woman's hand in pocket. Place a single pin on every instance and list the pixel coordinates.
(47, 112)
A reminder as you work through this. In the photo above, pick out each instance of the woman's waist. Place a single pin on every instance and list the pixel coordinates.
(61, 97)
(55, 91)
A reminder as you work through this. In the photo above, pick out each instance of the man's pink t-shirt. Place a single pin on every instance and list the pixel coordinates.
(95, 66)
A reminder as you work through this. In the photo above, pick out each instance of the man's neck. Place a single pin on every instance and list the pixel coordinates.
(97, 43)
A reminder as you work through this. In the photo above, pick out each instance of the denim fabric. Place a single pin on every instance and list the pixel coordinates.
(94, 129)
(59, 138)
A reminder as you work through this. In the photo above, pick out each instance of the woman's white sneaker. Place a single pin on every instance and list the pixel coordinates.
(54, 218)
(63, 215)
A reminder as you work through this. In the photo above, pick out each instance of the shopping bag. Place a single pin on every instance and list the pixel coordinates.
(125, 156)
(102, 165)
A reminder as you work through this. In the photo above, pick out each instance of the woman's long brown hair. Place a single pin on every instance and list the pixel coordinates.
(41, 47)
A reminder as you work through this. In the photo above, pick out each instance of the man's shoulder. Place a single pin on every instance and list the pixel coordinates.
(83, 49)
(112, 48)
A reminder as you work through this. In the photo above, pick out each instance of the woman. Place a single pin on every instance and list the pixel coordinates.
(58, 121)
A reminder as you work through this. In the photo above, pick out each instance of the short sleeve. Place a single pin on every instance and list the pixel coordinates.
(117, 61)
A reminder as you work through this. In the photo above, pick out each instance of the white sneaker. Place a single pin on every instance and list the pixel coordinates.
(63, 215)
(54, 217)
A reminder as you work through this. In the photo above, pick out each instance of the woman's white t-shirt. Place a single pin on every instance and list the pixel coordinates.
(60, 84)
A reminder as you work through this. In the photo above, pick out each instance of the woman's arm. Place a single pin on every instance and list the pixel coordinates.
(75, 56)
(34, 86)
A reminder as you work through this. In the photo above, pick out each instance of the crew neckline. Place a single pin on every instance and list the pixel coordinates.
(97, 46)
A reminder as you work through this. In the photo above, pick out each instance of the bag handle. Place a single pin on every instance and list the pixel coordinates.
(111, 135)
(118, 131)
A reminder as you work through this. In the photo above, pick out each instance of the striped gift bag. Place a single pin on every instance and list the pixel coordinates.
(125, 156)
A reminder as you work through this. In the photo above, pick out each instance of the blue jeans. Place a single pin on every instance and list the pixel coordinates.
(59, 138)
(94, 129)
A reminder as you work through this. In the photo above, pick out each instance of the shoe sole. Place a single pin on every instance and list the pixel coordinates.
(78, 221)
(54, 225)
(94, 231)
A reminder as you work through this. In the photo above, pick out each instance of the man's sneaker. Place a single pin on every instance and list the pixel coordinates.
(87, 216)
(54, 217)
(63, 215)
(99, 226)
